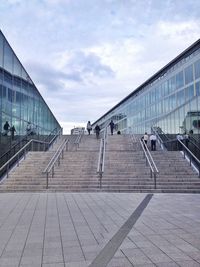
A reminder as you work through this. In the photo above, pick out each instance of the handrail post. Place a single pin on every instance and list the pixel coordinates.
(7, 169)
(154, 180)
(47, 180)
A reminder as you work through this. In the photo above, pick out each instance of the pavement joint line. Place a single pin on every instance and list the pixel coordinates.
(107, 253)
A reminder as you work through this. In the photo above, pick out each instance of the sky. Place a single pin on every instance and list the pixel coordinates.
(85, 56)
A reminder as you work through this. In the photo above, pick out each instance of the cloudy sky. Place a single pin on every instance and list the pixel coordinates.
(85, 56)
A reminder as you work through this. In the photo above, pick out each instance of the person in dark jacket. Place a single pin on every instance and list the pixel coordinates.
(12, 130)
(6, 128)
(112, 126)
(97, 130)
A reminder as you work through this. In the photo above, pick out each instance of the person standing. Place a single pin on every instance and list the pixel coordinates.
(153, 141)
(186, 138)
(28, 128)
(145, 139)
(12, 130)
(6, 128)
(97, 130)
(112, 125)
(89, 127)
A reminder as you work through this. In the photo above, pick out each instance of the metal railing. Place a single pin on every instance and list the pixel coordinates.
(24, 140)
(22, 154)
(56, 158)
(149, 161)
(101, 160)
(78, 139)
(134, 140)
(192, 158)
(41, 146)
(53, 135)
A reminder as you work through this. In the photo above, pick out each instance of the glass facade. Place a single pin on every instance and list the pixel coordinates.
(170, 99)
(20, 101)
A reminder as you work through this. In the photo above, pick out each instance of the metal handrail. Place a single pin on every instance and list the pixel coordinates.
(101, 160)
(104, 147)
(78, 139)
(24, 138)
(133, 138)
(153, 168)
(99, 164)
(17, 155)
(56, 157)
(191, 155)
(56, 135)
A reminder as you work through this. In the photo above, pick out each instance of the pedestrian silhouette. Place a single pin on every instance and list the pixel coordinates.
(112, 125)
(97, 130)
(89, 127)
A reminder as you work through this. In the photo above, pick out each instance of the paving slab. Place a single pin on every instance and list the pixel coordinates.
(72, 229)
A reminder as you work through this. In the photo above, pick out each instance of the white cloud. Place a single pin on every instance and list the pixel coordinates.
(85, 56)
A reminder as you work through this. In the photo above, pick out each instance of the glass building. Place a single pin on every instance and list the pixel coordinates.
(170, 99)
(20, 101)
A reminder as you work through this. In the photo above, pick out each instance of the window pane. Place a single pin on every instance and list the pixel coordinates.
(179, 80)
(1, 50)
(189, 92)
(198, 88)
(17, 67)
(189, 74)
(197, 69)
(8, 57)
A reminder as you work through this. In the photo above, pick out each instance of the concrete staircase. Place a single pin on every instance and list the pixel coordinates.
(175, 173)
(77, 172)
(28, 175)
(125, 167)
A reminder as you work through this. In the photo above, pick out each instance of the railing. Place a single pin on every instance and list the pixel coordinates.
(101, 160)
(51, 141)
(56, 158)
(78, 139)
(149, 161)
(13, 159)
(190, 155)
(134, 140)
(24, 140)
(13, 149)
(22, 153)
(55, 133)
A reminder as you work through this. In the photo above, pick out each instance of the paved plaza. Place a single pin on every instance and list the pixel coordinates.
(99, 229)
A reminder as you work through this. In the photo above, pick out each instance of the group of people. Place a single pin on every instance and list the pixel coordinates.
(181, 137)
(8, 128)
(152, 139)
(97, 128)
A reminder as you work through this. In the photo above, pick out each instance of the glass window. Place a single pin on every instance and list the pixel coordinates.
(189, 92)
(8, 78)
(172, 102)
(17, 70)
(179, 80)
(180, 97)
(198, 88)
(171, 84)
(8, 57)
(189, 74)
(197, 69)
(1, 50)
